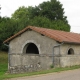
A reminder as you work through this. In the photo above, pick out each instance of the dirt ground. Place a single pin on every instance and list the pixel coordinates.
(64, 75)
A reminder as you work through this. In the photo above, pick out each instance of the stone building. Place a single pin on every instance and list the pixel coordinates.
(34, 49)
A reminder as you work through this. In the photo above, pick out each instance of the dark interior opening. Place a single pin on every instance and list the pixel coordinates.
(32, 49)
(70, 51)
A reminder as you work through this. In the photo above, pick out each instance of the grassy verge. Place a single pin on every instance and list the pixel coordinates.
(3, 63)
(7, 76)
(4, 75)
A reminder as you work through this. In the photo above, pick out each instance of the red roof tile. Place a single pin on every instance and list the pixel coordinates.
(60, 36)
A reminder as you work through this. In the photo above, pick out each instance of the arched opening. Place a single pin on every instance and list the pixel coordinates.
(70, 51)
(31, 48)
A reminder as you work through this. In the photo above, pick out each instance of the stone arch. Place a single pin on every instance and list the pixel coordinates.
(30, 47)
(70, 51)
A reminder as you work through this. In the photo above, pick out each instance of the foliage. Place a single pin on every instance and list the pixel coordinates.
(51, 9)
(18, 14)
(46, 23)
(48, 14)
(51, 66)
(41, 22)
(21, 16)
(7, 29)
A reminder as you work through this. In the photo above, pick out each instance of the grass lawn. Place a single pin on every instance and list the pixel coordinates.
(3, 64)
(4, 67)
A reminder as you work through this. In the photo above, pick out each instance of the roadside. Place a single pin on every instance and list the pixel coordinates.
(64, 75)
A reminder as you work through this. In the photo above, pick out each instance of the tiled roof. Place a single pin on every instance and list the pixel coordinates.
(60, 36)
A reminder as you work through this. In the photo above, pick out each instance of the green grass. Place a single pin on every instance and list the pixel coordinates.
(3, 63)
(4, 75)
(3, 57)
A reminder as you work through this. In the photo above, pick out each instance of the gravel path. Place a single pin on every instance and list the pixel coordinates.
(64, 75)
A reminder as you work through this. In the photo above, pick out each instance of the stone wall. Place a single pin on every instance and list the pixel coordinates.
(22, 62)
(30, 63)
(69, 60)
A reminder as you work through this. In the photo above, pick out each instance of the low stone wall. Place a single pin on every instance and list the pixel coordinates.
(70, 60)
(29, 63)
(26, 68)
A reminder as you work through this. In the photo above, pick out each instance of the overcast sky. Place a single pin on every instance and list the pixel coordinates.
(71, 8)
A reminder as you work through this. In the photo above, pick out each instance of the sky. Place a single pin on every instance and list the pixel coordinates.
(71, 9)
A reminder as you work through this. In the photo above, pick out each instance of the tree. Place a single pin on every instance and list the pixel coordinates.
(46, 23)
(40, 22)
(51, 9)
(7, 29)
(21, 16)
(20, 13)
(43, 15)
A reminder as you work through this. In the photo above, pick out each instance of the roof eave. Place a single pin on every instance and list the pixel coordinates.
(71, 42)
(15, 35)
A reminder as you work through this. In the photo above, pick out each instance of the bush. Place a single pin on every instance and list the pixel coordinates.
(52, 66)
